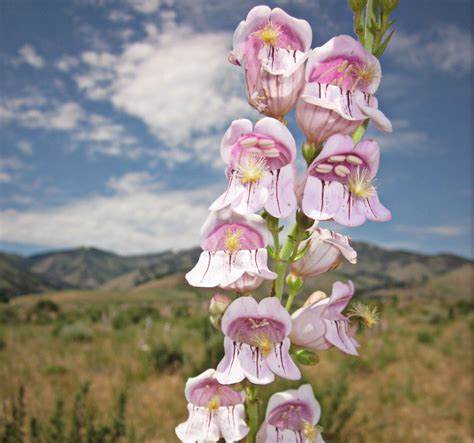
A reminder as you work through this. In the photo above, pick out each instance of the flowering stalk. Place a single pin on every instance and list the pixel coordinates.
(333, 90)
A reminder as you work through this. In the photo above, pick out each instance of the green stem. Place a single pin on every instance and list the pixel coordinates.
(289, 250)
(282, 264)
(252, 412)
(359, 132)
(291, 297)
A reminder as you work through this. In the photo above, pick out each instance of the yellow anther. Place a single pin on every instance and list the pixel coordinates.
(360, 184)
(264, 344)
(232, 240)
(269, 34)
(309, 431)
(252, 169)
(214, 403)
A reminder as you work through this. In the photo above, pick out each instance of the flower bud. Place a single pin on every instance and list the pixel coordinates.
(218, 304)
(306, 357)
(309, 151)
(357, 5)
(389, 6)
(294, 282)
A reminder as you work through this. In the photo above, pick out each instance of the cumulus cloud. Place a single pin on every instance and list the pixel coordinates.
(145, 6)
(5, 177)
(448, 230)
(36, 112)
(93, 132)
(66, 63)
(404, 138)
(135, 219)
(177, 81)
(446, 48)
(25, 147)
(29, 56)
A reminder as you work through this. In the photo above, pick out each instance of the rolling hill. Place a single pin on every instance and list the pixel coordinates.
(91, 268)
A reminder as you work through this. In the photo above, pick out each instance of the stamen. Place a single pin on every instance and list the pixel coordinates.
(342, 170)
(269, 34)
(232, 240)
(214, 403)
(324, 168)
(264, 344)
(309, 431)
(360, 184)
(252, 169)
(249, 142)
(336, 158)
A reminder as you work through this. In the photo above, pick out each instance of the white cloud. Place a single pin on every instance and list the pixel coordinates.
(446, 48)
(66, 63)
(93, 132)
(145, 6)
(119, 16)
(177, 81)
(25, 147)
(132, 182)
(450, 230)
(5, 177)
(29, 55)
(35, 112)
(133, 220)
(403, 138)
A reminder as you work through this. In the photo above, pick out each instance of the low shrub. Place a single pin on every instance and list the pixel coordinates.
(164, 357)
(133, 315)
(75, 332)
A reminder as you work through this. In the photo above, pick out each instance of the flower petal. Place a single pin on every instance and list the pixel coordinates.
(209, 271)
(281, 363)
(340, 297)
(337, 333)
(351, 212)
(282, 199)
(254, 365)
(271, 308)
(322, 200)
(278, 131)
(240, 307)
(377, 116)
(375, 211)
(200, 426)
(232, 423)
(232, 195)
(228, 370)
(369, 150)
(236, 129)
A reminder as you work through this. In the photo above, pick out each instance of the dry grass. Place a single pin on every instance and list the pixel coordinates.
(413, 378)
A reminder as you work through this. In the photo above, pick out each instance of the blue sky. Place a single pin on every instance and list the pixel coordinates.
(111, 114)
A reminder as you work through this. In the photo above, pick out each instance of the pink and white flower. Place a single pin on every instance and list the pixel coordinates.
(340, 183)
(326, 250)
(321, 325)
(260, 170)
(234, 248)
(292, 417)
(272, 47)
(256, 342)
(215, 411)
(342, 78)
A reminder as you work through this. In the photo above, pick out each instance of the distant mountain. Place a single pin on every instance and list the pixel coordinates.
(86, 268)
(89, 268)
(16, 279)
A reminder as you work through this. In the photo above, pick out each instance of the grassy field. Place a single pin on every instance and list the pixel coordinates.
(412, 382)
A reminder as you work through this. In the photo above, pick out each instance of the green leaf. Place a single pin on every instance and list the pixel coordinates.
(381, 49)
